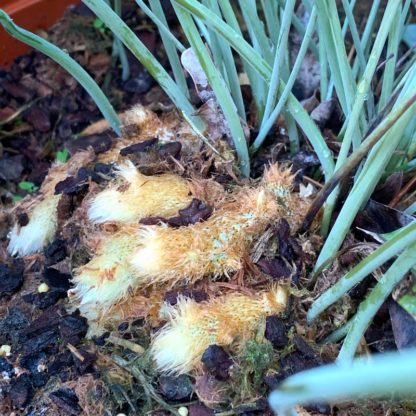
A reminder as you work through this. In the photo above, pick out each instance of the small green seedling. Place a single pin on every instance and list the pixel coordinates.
(100, 25)
(62, 155)
(28, 186)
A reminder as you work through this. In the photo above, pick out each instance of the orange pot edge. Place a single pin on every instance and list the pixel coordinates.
(32, 15)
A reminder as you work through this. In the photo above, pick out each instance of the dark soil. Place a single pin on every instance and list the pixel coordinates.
(46, 107)
(53, 369)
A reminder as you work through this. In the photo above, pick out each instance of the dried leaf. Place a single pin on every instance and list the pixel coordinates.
(216, 124)
(191, 64)
(404, 326)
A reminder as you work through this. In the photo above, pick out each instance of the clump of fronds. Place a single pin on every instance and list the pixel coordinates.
(217, 246)
(137, 196)
(42, 211)
(193, 327)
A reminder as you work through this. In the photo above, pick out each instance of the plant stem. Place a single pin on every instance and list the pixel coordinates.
(139, 50)
(288, 87)
(385, 252)
(355, 158)
(387, 374)
(120, 48)
(217, 83)
(278, 59)
(372, 304)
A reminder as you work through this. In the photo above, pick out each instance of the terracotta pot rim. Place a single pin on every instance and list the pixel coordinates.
(32, 15)
(13, 6)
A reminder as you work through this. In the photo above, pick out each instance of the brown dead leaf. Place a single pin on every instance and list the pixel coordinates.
(211, 112)
(209, 390)
(217, 126)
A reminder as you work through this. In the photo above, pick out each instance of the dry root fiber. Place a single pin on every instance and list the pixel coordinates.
(143, 256)
(122, 202)
(137, 196)
(107, 278)
(42, 211)
(193, 327)
(217, 246)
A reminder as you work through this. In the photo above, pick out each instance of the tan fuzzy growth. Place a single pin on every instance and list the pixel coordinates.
(39, 231)
(142, 117)
(137, 196)
(141, 124)
(134, 306)
(42, 211)
(193, 327)
(169, 127)
(107, 278)
(142, 256)
(280, 180)
(146, 125)
(215, 247)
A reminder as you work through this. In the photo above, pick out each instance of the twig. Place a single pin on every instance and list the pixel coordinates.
(327, 262)
(384, 62)
(19, 111)
(138, 349)
(20, 129)
(75, 352)
(404, 57)
(402, 191)
(313, 181)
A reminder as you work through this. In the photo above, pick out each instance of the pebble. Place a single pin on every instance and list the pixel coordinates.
(5, 350)
(21, 391)
(67, 401)
(43, 288)
(217, 362)
(11, 167)
(39, 118)
(276, 332)
(183, 411)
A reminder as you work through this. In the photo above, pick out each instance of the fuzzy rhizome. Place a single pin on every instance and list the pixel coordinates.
(193, 327)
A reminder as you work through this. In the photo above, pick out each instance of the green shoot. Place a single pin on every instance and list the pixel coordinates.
(383, 376)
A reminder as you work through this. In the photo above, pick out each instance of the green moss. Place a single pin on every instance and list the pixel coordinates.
(255, 360)
(258, 357)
